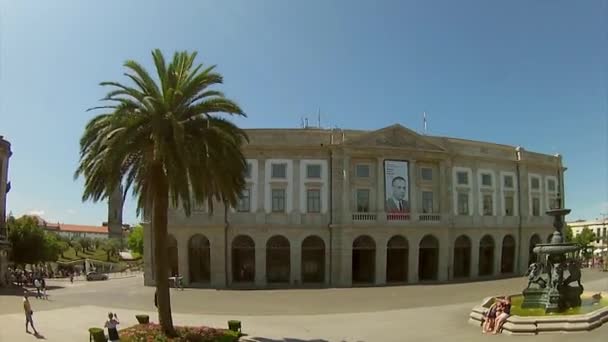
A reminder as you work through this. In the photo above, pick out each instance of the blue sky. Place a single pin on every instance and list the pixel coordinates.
(529, 73)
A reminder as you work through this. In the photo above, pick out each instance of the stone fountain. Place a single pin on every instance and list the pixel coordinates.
(548, 287)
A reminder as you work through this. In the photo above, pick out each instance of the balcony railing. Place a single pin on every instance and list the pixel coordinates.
(429, 217)
(397, 217)
(364, 217)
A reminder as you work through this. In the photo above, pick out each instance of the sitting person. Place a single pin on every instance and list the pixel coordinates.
(503, 314)
(490, 317)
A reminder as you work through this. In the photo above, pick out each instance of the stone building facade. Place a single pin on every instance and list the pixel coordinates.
(5, 154)
(316, 212)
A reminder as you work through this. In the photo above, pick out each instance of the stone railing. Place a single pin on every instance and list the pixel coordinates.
(429, 217)
(358, 217)
(392, 217)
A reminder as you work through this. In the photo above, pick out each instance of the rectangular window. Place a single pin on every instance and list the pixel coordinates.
(248, 170)
(604, 232)
(462, 178)
(597, 235)
(279, 171)
(426, 174)
(278, 200)
(551, 185)
(313, 200)
(486, 179)
(487, 205)
(427, 202)
(244, 204)
(535, 206)
(508, 182)
(553, 203)
(362, 200)
(463, 203)
(509, 206)
(535, 183)
(362, 170)
(313, 171)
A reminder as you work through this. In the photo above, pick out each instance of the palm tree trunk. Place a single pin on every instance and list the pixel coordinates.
(159, 226)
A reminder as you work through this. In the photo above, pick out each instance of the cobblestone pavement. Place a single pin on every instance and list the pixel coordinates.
(431, 312)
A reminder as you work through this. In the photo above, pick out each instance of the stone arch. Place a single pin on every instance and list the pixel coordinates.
(278, 259)
(172, 255)
(428, 258)
(507, 262)
(486, 255)
(364, 260)
(243, 259)
(397, 250)
(199, 259)
(534, 240)
(462, 257)
(313, 260)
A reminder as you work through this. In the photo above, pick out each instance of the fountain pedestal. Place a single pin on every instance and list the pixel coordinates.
(547, 286)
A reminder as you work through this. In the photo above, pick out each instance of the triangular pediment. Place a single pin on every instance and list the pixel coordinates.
(395, 136)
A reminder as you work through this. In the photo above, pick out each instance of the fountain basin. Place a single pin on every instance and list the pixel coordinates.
(533, 321)
(555, 248)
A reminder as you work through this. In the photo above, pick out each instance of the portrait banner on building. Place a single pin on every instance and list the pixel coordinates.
(396, 186)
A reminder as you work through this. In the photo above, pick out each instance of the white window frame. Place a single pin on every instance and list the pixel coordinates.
(486, 190)
(270, 183)
(272, 165)
(548, 194)
(313, 183)
(308, 165)
(535, 192)
(504, 191)
(308, 201)
(421, 173)
(369, 199)
(252, 184)
(468, 188)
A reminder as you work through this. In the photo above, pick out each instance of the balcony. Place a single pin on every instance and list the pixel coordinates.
(429, 217)
(364, 217)
(397, 217)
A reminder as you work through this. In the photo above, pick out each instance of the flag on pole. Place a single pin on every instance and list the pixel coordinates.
(424, 118)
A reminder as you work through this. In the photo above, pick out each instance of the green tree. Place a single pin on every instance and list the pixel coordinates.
(166, 140)
(52, 248)
(111, 247)
(568, 235)
(77, 246)
(28, 241)
(584, 240)
(136, 240)
(63, 247)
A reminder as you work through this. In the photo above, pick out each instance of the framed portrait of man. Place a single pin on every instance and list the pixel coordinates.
(396, 186)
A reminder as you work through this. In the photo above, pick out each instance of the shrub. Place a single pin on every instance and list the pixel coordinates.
(97, 334)
(143, 319)
(153, 332)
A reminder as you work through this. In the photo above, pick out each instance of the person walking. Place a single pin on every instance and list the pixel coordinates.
(27, 308)
(37, 285)
(111, 325)
(43, 286)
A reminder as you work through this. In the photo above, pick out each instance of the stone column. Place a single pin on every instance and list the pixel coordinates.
(295, 261)
(261, 185)
(444, 257)
(498, 256)
(474, 257)
(412, 267)
(413, 190)
(182, 257)
(445, 192)
(296, 193)
(260, 264)
(380, 278)
(380, 195)
(346, 265)
(346, 193)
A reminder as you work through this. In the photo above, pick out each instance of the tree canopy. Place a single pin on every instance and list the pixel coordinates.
(30, 243)
(136, 240)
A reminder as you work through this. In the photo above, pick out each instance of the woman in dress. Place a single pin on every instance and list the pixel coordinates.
(111, 324)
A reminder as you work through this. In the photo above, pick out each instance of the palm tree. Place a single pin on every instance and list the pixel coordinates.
(164, 139)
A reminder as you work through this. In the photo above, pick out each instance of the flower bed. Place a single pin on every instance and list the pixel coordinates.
(152, 333)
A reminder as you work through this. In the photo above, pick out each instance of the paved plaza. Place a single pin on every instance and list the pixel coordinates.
(400, 313)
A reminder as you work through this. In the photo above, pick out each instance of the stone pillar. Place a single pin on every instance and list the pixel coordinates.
(260, 264)
(295, 260)
(412, 267)
(261, 186)
(444, 257)
(413, 190)
(218, 255)
(380, 278)
(498, 256)
(380, 195)
(182, 257)
(296, 193)
(346, 265)
(474, 257)
(346, 193)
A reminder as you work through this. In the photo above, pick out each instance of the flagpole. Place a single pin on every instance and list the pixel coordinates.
(424, 120)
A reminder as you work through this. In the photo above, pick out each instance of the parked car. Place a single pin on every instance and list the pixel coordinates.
(96, 276)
